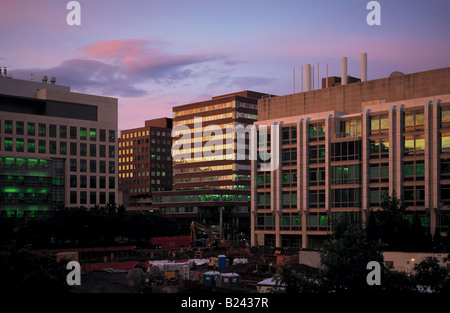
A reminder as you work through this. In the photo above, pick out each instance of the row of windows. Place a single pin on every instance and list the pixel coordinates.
(51, 147)
(94, 199)
(54, 131)
(137, 142)
(82, 166)
(82, 181)
(136, 134)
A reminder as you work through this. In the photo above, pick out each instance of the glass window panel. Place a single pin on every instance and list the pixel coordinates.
(385, 123)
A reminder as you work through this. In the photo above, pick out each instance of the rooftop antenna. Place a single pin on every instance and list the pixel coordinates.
(293, 80)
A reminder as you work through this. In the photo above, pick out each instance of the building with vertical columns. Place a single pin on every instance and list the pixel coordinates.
(57, 148)
(342, 148)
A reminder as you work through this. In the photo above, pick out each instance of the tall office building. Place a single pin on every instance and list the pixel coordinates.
(342, 148)
(211, 180)
(145, 162)
(57, 148)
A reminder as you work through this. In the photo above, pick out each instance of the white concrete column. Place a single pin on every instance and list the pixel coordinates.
(435, 165)
(399, 148)
(328, 136)
(305, 180)
(365, 175)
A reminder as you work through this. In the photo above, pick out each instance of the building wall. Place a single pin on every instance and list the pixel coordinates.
(89, 142)
(335, 164)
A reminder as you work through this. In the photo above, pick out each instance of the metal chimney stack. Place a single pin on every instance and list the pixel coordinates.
(363, 67)
(344, 71)
(308, 77)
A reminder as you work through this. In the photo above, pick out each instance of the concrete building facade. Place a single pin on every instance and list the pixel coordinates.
(343, 148)
(58, 148)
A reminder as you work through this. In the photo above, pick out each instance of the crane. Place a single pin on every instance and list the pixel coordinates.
(213, 240)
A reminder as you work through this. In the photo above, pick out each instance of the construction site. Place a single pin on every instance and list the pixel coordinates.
(196, 263)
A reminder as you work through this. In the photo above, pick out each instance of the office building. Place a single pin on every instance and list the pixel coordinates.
(344, 147)
(211, 181)
(57, 147)
(145, 163)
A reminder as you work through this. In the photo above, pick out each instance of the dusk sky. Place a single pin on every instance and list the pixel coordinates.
(153, 55)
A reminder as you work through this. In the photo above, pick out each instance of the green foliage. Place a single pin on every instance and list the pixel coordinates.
(345, 257)
(22, 271)
(83, 227)
(429, 274)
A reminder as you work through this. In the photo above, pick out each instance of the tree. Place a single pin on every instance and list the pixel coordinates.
(430, 275)
(345, 257)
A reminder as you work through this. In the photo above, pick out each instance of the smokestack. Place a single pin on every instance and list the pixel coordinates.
(301, 78)
(363, 67)
(5, 72)
(344, 71)
(307, 77)
(317, 75)
(44, 79)
(53, 80)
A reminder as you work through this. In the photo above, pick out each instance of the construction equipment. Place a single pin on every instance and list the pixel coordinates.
(213, 240)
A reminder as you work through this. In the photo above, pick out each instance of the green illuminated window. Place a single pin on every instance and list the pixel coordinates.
(31, 129)
(42, 130)
(32, 163)
(83, 133)
(8, 144)
(20, 145)
(8, 127)
(62, 131)
(42, 146)
(63, 148)
(93, 134)
(19, 128)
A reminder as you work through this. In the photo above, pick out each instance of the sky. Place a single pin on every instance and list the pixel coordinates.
(153, 55)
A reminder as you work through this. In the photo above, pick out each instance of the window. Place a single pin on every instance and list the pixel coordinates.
(414, 145)
(93, 134)
(73, 148)
(52, 147)
(377, 195)
(52, 131)
(112, 136)
(92, 150)
(102, 198)
(317, 221)
(289, 135)
(414, 121)
(73, 181)
(112, 167)
(263, 200)
(346, 197)
(317, 154)
(31, 146)
(379, 173)
(290, 221)
(20, 145)
(83, 149)
(345, 174)
(92, 166)
(379, 149)
(83, 133)
(102, 134)
(414, 170)
(73, 197)
(83, 197)
(379, 125)
(289, 178)
(265, 221)
(317, 131)
(102, 166)
(20, 128)
(92, 182)
(8, 127)
(73, 165)
(83, 166)
(414, 195)
(317, 176)
(42, 130)
(62, 131)
(102, 151)
(351, 128)
(93, 197)
(345, 151)
(263, 179)
(83, 181)
(112, 182)
(112, 151)
(73, 132)
(289, 156)
(31, 129)
(63, 148)
(42, 146)
(445, 168)
(102, 182)
(316, 198)
(8, 144)
(445, 142)
(289, 199)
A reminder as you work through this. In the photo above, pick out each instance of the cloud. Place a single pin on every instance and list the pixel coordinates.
(124, 67)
